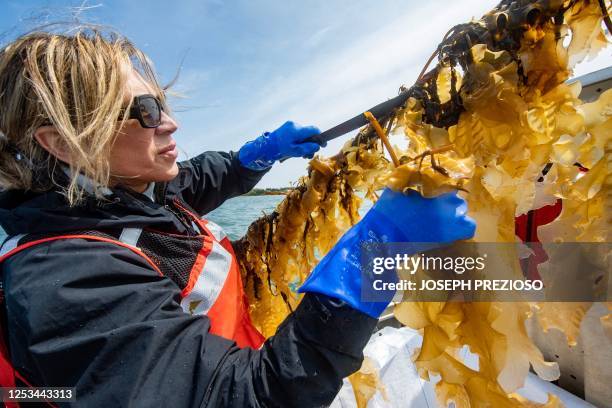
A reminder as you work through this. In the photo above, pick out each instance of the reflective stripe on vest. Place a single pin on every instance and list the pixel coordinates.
(10, 243)
(130, 236)
(219, 276)
(199, 298)
(215, 229)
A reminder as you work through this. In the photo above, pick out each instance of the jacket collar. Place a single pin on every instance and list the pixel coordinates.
(23, 212)
(90, 186)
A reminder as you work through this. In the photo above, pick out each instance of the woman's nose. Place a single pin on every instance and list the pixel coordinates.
(167, 125)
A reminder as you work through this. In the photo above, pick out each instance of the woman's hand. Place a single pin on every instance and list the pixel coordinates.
(410, 217)
(289, 140)
(395, 217)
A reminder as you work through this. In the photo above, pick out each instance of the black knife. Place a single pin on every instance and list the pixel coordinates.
(358, 121)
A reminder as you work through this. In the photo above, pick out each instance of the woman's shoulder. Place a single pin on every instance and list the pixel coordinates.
(74, 277)
(62, 259)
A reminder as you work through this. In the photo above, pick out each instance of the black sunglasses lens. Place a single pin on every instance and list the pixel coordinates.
(150, 111)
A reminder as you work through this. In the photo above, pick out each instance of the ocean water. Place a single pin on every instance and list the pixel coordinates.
(236, 214)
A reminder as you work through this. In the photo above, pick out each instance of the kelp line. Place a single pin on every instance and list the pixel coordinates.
(487, 119)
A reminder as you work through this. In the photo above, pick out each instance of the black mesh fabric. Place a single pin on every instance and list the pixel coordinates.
(173, 254)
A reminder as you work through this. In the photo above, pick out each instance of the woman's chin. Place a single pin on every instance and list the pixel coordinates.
(168, 174)
(156, 175)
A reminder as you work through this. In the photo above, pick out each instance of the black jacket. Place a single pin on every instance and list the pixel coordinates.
(96, 316)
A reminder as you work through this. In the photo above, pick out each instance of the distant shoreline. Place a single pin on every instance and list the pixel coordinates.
(268, 191)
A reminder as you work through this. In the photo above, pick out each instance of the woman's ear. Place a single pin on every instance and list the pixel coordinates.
(51, 141)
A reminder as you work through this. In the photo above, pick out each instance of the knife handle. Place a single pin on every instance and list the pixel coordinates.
(318, 139)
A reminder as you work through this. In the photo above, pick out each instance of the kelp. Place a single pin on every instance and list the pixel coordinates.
(492, 114)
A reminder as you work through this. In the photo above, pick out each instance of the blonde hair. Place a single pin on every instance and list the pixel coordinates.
(74, 82)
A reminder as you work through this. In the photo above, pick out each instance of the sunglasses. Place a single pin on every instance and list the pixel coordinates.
(147, 109)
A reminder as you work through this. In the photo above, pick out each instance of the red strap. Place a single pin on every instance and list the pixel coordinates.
(8, 374)
(82, 236)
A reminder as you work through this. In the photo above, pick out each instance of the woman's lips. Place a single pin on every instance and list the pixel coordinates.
(169, 151)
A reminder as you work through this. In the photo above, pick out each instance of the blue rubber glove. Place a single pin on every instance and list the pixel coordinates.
(395, 217)
(284, 142)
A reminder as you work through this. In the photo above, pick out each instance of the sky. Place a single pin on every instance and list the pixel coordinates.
(249, 66)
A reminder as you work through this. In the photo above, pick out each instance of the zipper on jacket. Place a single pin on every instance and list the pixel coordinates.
(182, 219)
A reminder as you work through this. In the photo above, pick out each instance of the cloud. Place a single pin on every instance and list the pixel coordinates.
(335, 86)
(317, 37)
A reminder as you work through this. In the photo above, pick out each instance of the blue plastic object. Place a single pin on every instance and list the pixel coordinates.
(396, 217)
(286, 141)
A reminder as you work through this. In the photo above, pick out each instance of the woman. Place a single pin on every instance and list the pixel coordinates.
(114, 285)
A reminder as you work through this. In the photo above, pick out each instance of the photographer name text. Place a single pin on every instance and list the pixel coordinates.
(460, 285)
